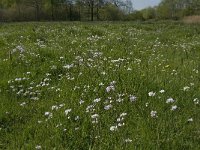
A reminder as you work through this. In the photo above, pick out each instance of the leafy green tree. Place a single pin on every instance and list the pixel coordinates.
(148, 13)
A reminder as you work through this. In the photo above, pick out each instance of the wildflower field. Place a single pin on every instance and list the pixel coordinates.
(99, 86)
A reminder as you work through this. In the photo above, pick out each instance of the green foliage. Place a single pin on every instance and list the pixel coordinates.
(175, 9)
(149, 13)
(111, 12)
(137, 15)
(73, 10)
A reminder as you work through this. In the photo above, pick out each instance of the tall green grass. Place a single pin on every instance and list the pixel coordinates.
(99, 86)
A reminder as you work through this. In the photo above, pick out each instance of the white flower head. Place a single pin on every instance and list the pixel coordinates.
(110, 88)
(97, 100)
(190, 120)
(186, 88)
(128, 140)
(123, 114)
(81, 102)
(113, 83)
(47, 113)
(67, 111)
(174, 107)
(23, 104)
(54, 107)
(113, 128)
(170, 100)
(154, 114)
(132, 98)
(108, 107)
(162, 91)
(94, 116)
(38, 147)
(129, 69)
(196, 101)
(151, 94)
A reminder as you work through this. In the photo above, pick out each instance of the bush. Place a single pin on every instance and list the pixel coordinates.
(111, 12)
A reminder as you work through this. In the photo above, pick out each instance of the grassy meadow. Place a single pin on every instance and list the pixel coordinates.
(100, 86)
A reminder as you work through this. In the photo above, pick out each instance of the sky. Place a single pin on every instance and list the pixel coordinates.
(140, 4)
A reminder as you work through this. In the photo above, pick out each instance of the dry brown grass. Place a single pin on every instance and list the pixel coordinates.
(191, 19)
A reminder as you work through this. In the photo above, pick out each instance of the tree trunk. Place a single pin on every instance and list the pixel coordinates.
(70, 12)
(92, 10)
(98, 11)
(52, 10)
(37, 13)
(19, 12)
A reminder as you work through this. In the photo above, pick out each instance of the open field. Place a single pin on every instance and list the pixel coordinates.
(101, 86)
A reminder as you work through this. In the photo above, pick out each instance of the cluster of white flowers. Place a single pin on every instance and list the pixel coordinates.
(95, 118)
(154, 114)
(113, 128)
(132, 98)
(111, 87)
(196, 101)
(38, 147)
(119, 122)
(107, 107)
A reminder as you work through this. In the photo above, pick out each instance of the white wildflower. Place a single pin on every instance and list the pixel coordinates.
(77, 118)
(47, 113)
(38, 147)
(196, 101)
(118, 119)
(23, 104)
(68, 66)
(97, 100)
(128, 140)
(20, 49)
(129, 69)
(54, 107)
(67, 111)
(101, 84)
(108, 107)
(81, 102)
(151, 94)
(94, 116)
(162, 91)
(132, 98)
(154, 114)
(190, 120)
(123, 114)
(110, 88)
(170, 100)
(113, 82)
(174, 107)
(186, 88)
(121, 124)
(61, 105)
(113, 128)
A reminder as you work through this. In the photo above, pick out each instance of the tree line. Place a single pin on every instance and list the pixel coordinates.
(73, 10)
(93, 10)
(168, 9)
